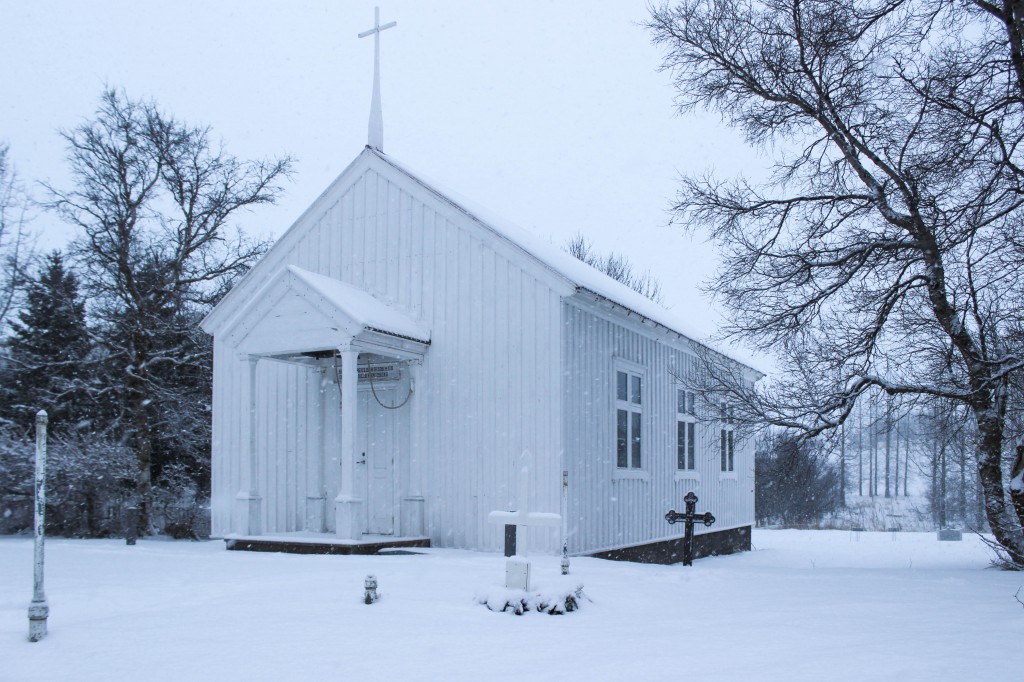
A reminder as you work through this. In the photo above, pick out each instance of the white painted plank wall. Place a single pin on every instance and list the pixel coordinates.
(606, 513)
(488, 388)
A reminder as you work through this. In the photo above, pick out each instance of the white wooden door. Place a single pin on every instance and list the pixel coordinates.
(377, 449)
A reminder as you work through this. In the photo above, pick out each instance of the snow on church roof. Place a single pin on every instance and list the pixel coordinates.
(363, 308)
(578, 273)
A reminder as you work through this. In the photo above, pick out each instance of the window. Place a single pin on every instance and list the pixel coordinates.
(726, 439)
(686, 427)
(628, 412)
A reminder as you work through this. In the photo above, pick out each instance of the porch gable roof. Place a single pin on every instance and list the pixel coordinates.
(361, 307)
(299, 311)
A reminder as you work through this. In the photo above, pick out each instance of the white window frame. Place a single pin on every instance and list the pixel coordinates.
(686, 434)
(726, 441)
(633, 407)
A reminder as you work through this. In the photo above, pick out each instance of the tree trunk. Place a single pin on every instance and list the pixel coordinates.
(873, 461)
(935, 466)
(896, 463)
(888, 443)
(906, 459)
(1017, 483)
(138, 405)
(979, 504)
(962, 493)
(1005, 524)
(942, 481)
(842, 465)
(860, 451)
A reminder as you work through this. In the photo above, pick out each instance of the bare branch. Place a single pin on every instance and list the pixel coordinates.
(885, 254)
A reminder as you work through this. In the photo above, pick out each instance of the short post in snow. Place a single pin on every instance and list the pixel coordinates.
(39, 610)
(370, 589)
(131, 523)
(565, 529)
(688, 518)
(517, 568)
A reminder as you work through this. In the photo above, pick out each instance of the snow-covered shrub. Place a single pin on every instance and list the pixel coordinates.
(16, 475)
(87, 478)
(794, 483)
(180, 509)
(553, 602)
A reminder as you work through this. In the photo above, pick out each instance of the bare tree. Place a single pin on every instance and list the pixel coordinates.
(154, 199)
(15, 241)
(616, 266)
(885, 252)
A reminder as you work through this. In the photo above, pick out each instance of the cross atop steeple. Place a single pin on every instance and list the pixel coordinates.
(376, 128)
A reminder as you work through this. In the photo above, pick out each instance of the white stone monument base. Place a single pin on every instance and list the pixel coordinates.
(517, 573)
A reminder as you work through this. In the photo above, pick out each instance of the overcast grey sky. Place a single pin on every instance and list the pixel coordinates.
(552, 115)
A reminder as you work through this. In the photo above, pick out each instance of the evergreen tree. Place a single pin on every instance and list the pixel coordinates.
(49, 347)
(51, 365)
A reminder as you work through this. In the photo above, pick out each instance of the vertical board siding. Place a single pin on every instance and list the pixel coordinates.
(488, 387)
(607, 511)
(225, 476)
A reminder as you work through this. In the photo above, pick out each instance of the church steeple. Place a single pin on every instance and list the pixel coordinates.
(375, 136)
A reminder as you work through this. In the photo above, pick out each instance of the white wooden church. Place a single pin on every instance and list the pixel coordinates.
(379, 374)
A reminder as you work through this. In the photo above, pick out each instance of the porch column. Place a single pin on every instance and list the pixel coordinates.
(412, 503)
(247, 501)
(347, 506)
(316, 498)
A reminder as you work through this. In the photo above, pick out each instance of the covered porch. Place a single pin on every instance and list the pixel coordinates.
(364, 356)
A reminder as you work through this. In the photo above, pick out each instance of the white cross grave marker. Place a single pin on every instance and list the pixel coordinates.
(517, 568)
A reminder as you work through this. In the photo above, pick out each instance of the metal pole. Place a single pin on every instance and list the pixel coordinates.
(39, 610)
(565, 522)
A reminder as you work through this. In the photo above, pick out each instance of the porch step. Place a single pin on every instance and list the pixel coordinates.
(319, 543)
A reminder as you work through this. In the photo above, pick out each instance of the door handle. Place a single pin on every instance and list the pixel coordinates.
(363, 460)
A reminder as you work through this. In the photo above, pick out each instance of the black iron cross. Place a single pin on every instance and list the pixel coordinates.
(688, 518)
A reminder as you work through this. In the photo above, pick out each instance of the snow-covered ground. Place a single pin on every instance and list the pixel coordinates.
(806, 605)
